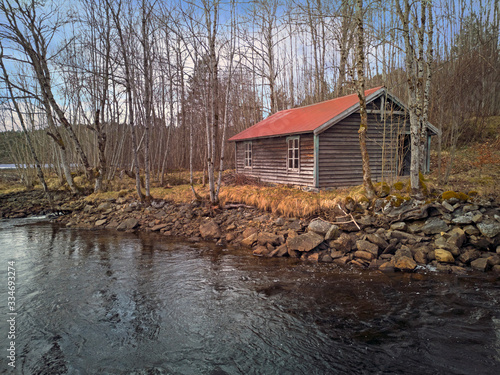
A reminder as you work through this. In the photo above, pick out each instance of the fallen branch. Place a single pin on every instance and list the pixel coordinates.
(236, 205)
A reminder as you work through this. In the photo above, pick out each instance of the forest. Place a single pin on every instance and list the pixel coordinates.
(147, 87)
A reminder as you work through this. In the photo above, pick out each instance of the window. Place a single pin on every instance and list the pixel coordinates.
(293, 153)
(248, 154)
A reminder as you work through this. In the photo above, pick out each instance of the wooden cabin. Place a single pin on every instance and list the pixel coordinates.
(318, 146)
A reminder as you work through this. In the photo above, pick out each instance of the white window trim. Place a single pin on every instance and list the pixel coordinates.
(246, 158)
(288, 168)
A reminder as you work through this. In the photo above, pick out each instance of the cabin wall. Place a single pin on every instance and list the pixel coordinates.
(340, 162)
(269, 160)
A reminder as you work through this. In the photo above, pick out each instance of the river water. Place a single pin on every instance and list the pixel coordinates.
(99, 302)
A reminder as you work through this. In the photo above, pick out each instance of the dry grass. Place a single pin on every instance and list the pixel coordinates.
(475, 168)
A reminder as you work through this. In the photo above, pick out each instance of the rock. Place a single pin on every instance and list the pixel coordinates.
(377, 240)
(249, 231)
(387, 267)
(367, 247)
(480, 264)
(457, 237)
(332, 233)
(326, 258)
(401, 225)
(335, 254)
(463, 219)
(210, 229)
(230, 237)
(471, 230)
(496, 269)
(498, 250)
(279, 222)
(260, 251)
(434, 225)
(264, 238)
(294, 253)
(231, 227)
(250, 240)
(489, 228)
(469, 255)
(493, 260)
(342, 261)
(364, 255)
(158, 227)
(420, 255)
(99, 223)
(305, 242)
(403, 235)
(319, 226)
(344, 243)
(295, 225)
(128, 224)
(404, 251)
(280, 251)
(313, 257)
(444, 256)
(448, 206)
(405, 263)
(104, 206)
(470, 208)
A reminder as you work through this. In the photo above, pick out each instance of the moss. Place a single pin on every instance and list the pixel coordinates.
(472, 193)
(122, 193)
(399, 185)
(396, 200)
(423, 185)
(452, 194)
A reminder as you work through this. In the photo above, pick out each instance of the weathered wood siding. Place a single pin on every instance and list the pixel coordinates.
(269, 160)
(340, 161)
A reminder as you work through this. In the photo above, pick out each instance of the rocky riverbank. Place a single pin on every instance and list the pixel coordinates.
(456, 233)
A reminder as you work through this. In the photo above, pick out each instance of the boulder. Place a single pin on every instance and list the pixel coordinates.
(250, 240)
(99, 223)
(420, 255)
(364, 255)
(444, 256)
(405, 263)
(489, 228)
(344, 243)
(493, 260)
(158, 227)
(249, 231)
(367, 247)
(260, 251)
(127, 224)
(466, 218)
(377, 240)
(105, 206)
(387, 267)
(264, 238)
(280, 251)
(434, 225)
(305, 242)
(332, 233)
(471, 230)
(210, 229)
(400, 225)
(457, 237)
(480, 264)
(319, 226)
(469, 255)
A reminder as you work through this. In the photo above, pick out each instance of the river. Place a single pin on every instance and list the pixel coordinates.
(105, 302)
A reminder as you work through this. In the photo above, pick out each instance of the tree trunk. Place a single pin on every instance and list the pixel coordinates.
(363, 126)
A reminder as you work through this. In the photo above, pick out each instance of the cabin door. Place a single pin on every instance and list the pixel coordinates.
(404, 155)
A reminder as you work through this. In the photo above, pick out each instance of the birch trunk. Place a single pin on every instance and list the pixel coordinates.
(363, 126)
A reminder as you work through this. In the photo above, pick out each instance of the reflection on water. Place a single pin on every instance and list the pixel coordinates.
(94, 302)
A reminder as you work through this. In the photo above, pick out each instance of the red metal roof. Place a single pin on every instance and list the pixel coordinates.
(301, 120)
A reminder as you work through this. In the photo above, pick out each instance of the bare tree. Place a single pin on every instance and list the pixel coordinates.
(360, 83)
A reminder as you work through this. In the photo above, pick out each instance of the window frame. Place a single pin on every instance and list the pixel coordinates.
(293, 153)
(248, 154)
